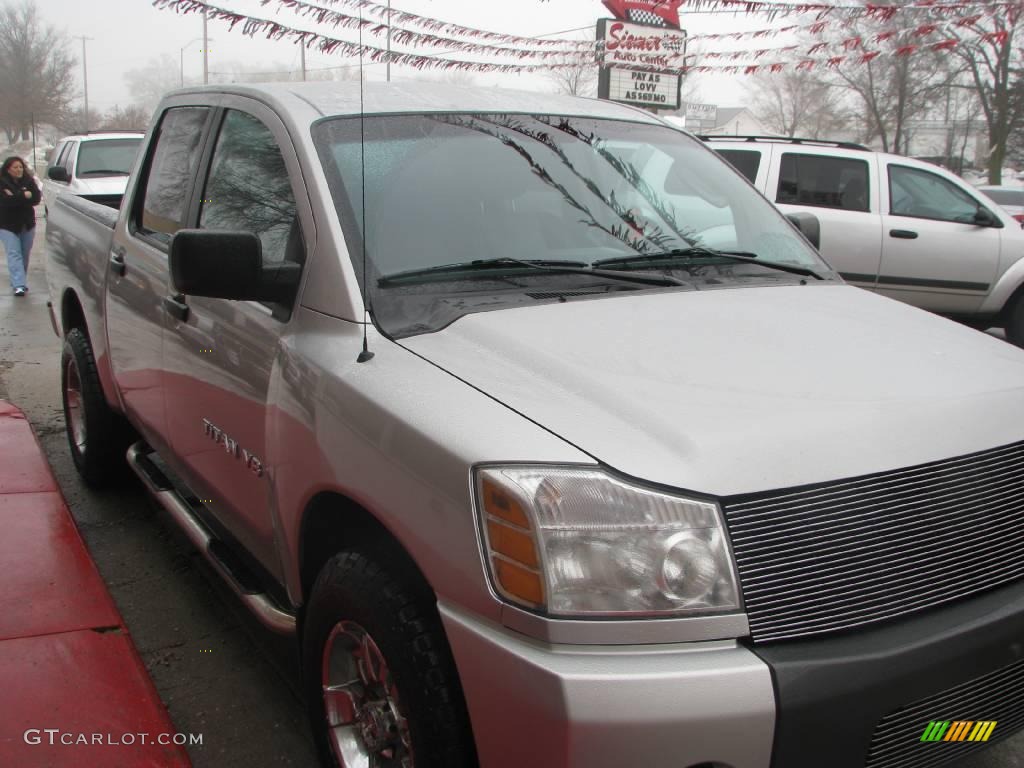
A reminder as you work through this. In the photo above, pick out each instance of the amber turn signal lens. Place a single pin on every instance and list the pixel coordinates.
(519, 582)
(499, 503)
(512, 543)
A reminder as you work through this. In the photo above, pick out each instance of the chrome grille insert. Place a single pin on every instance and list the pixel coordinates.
(830, 557)
(998, 696)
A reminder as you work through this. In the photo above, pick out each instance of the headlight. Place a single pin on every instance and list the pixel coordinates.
(578, 542)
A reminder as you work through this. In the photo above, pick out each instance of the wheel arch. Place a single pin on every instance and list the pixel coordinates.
(72, 314)
(332, 522)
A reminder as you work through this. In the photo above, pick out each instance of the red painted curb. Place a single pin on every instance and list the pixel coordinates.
(76, 691)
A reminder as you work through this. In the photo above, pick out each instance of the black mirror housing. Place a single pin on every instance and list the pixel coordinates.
(58, 173)
(229, 265)
(809, 226)
(984, 218)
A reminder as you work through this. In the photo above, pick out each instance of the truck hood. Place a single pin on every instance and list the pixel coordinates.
(740, 390)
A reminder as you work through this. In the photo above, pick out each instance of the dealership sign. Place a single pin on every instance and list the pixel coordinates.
(637, 63)
(658, 13)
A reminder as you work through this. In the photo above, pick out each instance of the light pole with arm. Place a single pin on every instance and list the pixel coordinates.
(182, 53)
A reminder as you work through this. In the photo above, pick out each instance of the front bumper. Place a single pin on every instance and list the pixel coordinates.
(572, 706)
(863, 698)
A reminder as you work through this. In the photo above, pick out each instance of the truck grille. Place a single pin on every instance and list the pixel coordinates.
(998, 697)
(829, 557)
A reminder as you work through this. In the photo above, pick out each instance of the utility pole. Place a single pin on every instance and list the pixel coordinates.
(85, 82)
(206, 53)
(389, 41)
(302, 53)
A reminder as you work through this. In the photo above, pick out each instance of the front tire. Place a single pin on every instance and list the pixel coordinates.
(378, 676)
(97, 436)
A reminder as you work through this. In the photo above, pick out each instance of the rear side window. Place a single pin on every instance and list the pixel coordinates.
(172, 167)
(743, 160)
(823, 182)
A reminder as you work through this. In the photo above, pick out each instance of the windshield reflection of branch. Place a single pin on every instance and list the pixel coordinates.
(634, 178)
(657, 237)
(620, 234)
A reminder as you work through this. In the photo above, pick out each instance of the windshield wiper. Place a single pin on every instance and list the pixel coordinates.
(104, 171)
(542, 265)
(698, 251)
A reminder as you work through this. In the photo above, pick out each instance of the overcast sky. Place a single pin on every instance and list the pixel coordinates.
(128, 34)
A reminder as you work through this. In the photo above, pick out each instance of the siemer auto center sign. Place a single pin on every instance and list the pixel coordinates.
(639, 63)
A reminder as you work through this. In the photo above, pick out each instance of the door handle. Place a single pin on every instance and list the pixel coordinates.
(903, 234)
(176, 306)
(117, 265)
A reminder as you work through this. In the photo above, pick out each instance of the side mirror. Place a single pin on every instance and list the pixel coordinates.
(229, 265)
(984, 218)
(809, 227)
(58, 173)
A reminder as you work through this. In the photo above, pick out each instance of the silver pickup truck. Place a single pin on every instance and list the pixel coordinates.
(554, 442)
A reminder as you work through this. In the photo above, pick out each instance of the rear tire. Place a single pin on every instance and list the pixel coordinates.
(97, 436)
(1015, 322)
(368, 613)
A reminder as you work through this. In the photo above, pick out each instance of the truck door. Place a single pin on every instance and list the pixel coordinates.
(934, 256)
(841, 190)
(139, 276)
(220, 354)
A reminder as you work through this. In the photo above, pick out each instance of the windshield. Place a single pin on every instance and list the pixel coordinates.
(452, 189)
(107, 157)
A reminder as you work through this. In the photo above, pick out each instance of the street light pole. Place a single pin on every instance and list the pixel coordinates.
(206, 53)
(85, 82)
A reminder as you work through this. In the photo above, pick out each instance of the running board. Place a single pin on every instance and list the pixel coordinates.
(214, 550)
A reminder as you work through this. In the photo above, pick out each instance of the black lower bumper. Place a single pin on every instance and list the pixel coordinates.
(834, 693)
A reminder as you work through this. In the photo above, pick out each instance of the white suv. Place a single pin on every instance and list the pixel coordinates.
(900, 227)
(93, 165)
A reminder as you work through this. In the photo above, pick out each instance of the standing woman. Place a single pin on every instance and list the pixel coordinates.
(18, 195)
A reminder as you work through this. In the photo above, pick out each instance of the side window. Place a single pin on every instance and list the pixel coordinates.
(172, 166)
(924, 195)
(248, 189)
(745, 161)
(71, 160)
(62, 155)
(823, 182)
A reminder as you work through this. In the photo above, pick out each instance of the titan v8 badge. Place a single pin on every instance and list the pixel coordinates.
(231, 446)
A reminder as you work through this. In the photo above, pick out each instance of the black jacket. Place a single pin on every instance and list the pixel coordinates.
(16, 214)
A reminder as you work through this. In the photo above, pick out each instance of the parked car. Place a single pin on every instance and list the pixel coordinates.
(899, 227)
(455, 390)
(93, 165)
(1010, 198)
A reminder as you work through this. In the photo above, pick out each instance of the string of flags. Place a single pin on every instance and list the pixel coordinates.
(953, 23)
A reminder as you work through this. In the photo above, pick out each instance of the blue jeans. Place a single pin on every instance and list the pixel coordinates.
(18, 247)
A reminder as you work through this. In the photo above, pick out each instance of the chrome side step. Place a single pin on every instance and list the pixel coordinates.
(182, 513)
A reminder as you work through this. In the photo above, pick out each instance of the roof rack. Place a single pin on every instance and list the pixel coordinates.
(785, 140)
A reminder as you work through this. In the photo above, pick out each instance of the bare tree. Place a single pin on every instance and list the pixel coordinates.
(892, 90)
(38, 82)
(576, 76)
(131, 118)
(994, 66)
(148, 84)
(796, 102)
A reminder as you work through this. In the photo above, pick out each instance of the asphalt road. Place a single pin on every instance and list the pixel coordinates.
(219, 673)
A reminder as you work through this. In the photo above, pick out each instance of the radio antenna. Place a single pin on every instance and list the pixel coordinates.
(366, 354)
